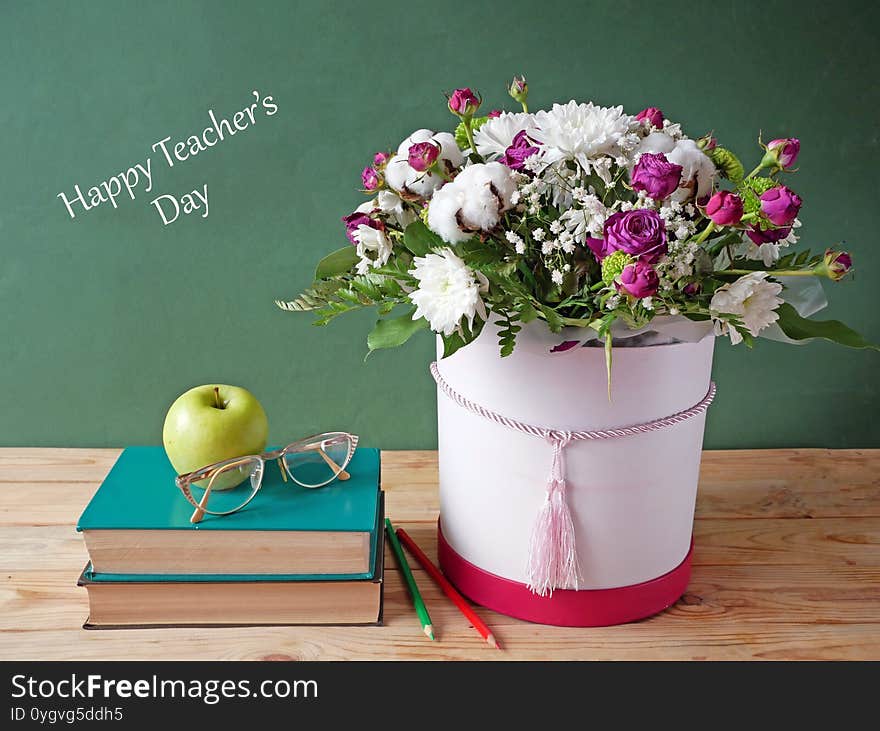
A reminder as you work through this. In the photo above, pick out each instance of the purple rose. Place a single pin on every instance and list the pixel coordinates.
(638, 279)
(691, 289)
(494, 113)
(371, 179)
(652, 115)
(786, 151)
(520, 149)
(423, 155)
(724, 208)
(464, 102)
(655, 175)
(380, 159)
(760, 235)
(780, 205)
(353, 220)
(640, 232)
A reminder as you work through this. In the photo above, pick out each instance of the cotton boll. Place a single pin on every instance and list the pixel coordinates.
(656, 142)
(401, 176)
(443, 214)
(697, 170)
(449, 149)
(396, 172)
(474, 201)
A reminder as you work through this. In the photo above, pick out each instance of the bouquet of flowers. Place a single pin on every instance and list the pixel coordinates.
(582, 216)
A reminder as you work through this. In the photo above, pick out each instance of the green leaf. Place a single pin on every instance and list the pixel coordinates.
(339, 262)
(727, 163)
(419, 239)
(800, 328)
(451, 343)
(394, 332)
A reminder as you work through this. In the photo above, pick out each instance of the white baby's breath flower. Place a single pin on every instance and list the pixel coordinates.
(556, 227)
(557, 277)
(448, 291)
(473, 202)
(548, 246)
(404, 179)
(647, 303)
(751, 299)
(496, 135)
(539, 234)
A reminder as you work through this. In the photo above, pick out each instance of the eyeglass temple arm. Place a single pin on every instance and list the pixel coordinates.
(341, 474)
(199, 512)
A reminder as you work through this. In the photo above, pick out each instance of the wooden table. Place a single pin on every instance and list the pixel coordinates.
(786, 566)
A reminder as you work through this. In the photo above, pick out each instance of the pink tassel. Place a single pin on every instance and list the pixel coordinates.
(553, 560)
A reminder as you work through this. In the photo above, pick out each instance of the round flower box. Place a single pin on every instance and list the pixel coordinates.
(631, 498)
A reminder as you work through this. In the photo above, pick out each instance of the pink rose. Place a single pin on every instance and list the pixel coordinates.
(371, 179)
(780, 205)
(785, 150)
(655, 175)
(652, 115)
(464, 102)
(724, 208)
(380, 159)
(638, 279)
(760, 235)
(423, 155)
(494, 113)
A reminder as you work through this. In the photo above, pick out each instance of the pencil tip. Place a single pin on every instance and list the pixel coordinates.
(429, 631)
(493, 642)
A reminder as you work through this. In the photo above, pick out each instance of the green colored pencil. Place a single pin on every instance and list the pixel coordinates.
(414, 592)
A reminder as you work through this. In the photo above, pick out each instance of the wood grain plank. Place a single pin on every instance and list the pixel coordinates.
(787, 566)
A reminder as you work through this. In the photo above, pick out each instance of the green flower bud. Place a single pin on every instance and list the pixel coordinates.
(519, 89)
(613, 265)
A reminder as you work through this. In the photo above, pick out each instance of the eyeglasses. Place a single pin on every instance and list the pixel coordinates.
(224, 487)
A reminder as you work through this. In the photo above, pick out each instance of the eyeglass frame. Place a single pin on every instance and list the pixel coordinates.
(275, 455)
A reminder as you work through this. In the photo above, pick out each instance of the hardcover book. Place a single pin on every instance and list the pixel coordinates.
(162, 601)
(138, 523)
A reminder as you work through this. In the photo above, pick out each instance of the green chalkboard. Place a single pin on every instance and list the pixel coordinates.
(105, 318)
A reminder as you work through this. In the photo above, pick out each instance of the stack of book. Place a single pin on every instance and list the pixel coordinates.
(291, 556)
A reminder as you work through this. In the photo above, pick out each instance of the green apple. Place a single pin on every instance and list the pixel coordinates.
(212, 423)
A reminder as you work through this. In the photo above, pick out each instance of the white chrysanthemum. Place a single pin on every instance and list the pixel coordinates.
(496, 135)
(697, 172)
(580, 132)
(371, 240)
(448, 291)
(404, 179)
(751, 299)
(473, 202)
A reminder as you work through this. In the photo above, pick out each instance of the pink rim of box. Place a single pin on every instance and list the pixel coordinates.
(566, 607)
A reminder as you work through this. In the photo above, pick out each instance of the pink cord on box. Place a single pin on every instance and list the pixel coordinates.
(552, 562)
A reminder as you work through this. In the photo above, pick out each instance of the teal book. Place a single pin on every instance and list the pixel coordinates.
(138, 523)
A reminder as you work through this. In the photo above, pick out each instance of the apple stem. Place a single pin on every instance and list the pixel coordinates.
(217, 403)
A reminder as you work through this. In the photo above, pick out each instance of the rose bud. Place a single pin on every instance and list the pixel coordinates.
(782, 153)
(724, 208)
(494, 113)
(639, 280)
(371, 179)
(652, 115)
(423, 156)
(691, 289)
(707, 142)
(463, 103)
(380, 159)
(655, 175)
(519, 89)
(835, 265)
(780, 205)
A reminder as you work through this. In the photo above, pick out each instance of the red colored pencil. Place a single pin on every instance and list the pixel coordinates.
(448, 589)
